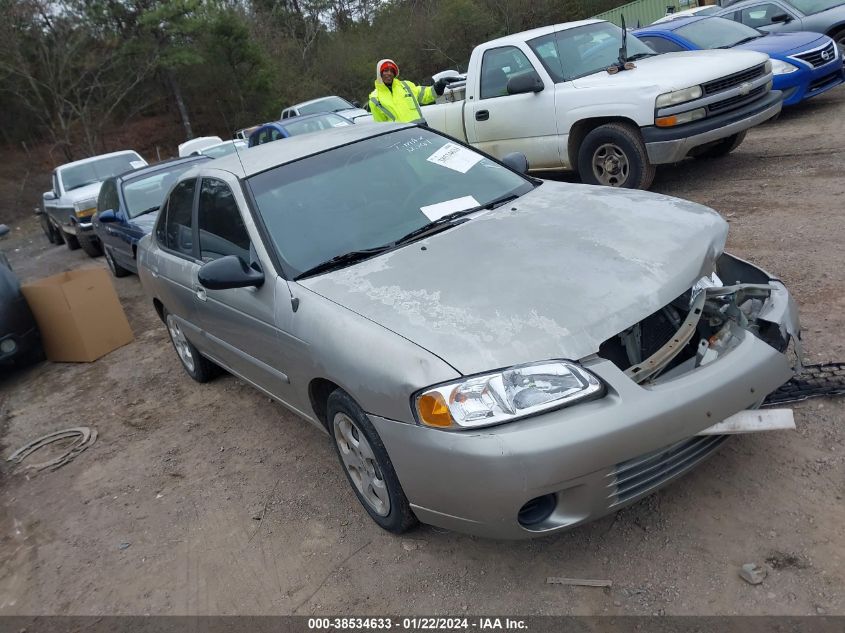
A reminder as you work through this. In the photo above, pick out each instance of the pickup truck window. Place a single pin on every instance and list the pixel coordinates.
(96, 171)
(589, 49)
(178, 228)
(221, 228)
(545, 48)
(497, 67)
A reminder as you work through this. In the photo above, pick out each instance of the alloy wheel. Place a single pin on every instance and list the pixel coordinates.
(610, 165)
(183, 347)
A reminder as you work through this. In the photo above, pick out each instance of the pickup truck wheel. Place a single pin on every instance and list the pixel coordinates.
(90, 245)
(116, 269)
(58, 234)
(71, 240)
(614, 155)
(367, 465)
(196, 365)
(47, 227)
(723, 147)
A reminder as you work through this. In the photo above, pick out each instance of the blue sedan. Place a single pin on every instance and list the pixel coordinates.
(295, 126)
(804, 64)
(128, 206)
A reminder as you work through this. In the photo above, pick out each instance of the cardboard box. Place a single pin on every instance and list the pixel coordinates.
(79, 315)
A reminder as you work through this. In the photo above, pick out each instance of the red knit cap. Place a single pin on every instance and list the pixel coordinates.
(389, 63)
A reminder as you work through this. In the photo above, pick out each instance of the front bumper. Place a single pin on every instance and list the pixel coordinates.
(670, 145)
(594, 457)
(805, 83)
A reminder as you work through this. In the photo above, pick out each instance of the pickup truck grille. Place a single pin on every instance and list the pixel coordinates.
(737, 101)
(818, 57)
(725, 83)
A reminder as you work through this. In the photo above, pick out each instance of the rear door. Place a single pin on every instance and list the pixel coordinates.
(176, 263)
(504, 123)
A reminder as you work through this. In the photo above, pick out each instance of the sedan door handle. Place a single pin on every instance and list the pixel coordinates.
(201, 294)
(482, 115)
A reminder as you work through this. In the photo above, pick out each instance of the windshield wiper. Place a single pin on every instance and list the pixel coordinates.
(640, 56)
(747, 39)
(344, 259)
(150, 210)
(448, 220)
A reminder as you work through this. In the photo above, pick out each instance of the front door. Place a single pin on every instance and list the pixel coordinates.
(504, 123)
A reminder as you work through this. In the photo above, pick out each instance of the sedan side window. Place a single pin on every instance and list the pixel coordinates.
(498, 66)
(107, 200)
(661, 44)
(760, 15)
(179, 226)
(221, 227)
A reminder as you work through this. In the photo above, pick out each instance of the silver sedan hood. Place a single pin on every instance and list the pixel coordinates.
(551, 275)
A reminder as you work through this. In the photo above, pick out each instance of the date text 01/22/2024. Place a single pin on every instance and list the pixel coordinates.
(417, 624)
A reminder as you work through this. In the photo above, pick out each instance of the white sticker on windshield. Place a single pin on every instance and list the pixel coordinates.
(136, 164)
(455, 157)
(436, 211)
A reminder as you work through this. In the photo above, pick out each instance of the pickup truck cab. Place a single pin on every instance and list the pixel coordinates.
(69, 205)
(563, 96)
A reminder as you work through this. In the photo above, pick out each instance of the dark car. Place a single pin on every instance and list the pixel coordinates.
(19, 338)
(127, 208)
(296, 126)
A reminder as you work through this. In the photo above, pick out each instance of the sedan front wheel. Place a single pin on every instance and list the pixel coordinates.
(367, 465)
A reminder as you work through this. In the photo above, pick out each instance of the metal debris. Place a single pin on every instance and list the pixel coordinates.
(753, 574)
(86, 436)
(579, 582)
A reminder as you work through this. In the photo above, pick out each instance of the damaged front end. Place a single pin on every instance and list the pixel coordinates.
(706, 322)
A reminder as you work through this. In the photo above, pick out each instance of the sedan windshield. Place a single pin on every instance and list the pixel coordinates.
(809, 7)
(326, 121)
(329, 104)
(146, 193)
(98, 170)
(717, 33)
(373, 193)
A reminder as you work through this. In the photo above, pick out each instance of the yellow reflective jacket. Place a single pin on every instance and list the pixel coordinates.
(402, 104)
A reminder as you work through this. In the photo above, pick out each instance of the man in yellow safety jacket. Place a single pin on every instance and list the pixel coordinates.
(397, 100)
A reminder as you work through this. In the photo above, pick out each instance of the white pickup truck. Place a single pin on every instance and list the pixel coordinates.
(570, 96)
(69, 205)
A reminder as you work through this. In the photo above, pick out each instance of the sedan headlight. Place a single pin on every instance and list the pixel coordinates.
(505, 395)
(782, 68)
(678, 97)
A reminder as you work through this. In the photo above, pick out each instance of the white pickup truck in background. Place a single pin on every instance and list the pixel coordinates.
(69, 205)
(561, 96)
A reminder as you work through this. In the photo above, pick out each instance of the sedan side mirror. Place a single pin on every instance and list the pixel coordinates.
(516, 161)
(107, 216)
(781, 17)
(529, 82)
(229, 272)
(357, 104)
(3, 230)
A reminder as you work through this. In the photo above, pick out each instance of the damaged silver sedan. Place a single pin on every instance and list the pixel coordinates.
(489, 352)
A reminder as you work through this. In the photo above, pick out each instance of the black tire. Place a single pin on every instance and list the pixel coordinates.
(91, 244)
(723, 147)
(198, 367)
(71, 241)
(345, 418)
(47, 227)
(614, 155)
(116, 269)
(58, 234)
(839, 38)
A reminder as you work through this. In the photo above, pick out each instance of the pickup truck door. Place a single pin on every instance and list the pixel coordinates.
(500, 123)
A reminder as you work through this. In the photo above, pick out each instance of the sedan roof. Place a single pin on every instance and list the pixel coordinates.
(268, 155)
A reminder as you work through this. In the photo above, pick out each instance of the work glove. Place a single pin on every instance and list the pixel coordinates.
(440, 84)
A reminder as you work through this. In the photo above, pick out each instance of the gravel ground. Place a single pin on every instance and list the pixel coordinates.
(231, 505)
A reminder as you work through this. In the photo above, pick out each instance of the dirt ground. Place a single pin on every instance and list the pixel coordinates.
(231, 505)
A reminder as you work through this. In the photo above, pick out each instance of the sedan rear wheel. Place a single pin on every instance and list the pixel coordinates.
(198, 366)
(367, 465)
